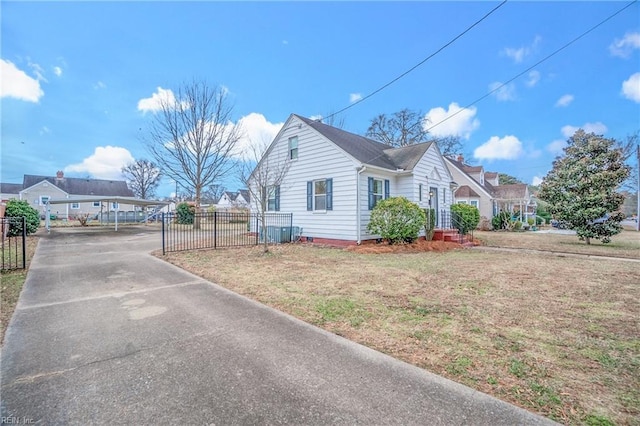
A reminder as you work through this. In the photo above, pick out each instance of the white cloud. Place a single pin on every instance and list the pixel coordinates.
(631, 88)
(106, 162)
(57, 71)
(564, 100)
(506, 148)
(534, 78)
(38, 71)
(101, 85)
(17, 84)
(155, 102)
(623, 47)
(285, 42)
(44, 130)
(537, 180)
(502, 92)
(556, 146)
(257, 131)
(316, 117)
(461, 123)
(598, 128)
(354, 97)
(520, 53)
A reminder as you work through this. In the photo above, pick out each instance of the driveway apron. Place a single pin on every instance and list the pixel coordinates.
(106, 333)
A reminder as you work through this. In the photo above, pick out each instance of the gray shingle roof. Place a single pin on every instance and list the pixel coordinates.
(368, 151)
(10, 188)
(81, 186)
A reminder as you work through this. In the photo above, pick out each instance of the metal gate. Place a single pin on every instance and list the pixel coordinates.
(13, 233)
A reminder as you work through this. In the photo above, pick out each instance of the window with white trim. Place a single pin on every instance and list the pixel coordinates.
(320, 195)
(378, 190)
(114, 205)
(462, 201)
(44, 199)
(75, 206)
(293, 148)
(474, 203)
(96, 204)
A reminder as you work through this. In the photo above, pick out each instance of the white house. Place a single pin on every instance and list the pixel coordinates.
(335, 178)
(238, 199)
(483, 190)
(37, 190)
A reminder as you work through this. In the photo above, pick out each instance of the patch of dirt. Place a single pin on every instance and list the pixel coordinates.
(418, 246)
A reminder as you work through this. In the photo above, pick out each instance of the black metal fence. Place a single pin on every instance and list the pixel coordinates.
(225, 229)
(451, 220)
(13, 233)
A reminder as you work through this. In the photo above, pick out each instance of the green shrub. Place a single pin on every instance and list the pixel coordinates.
(530, 221)
(397, 220)
(465, 217)
(185, 213)
(429, 224)
(501, 221)
(21, 208)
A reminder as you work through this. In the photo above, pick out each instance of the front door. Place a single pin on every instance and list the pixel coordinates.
(433, 203)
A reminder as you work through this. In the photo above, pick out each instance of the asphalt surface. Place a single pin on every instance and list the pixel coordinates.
(105, 333)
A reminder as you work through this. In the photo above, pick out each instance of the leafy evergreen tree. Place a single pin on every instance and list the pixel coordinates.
(21, 208)
(581, 187)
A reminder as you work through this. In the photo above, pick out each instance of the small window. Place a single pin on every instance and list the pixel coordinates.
(75, 206)
(474, 203)
(273, 198)
(420, 192)
(44, 199)
(114, 206)
(462, 202)
(96, 204)
(378, 191)
(320, 195)
(293, 148)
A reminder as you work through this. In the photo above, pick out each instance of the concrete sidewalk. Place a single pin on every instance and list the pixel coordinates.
(105, 333)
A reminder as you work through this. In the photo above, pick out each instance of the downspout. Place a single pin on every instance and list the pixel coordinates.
(358, 213)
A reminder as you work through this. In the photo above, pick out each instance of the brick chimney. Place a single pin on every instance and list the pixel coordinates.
(59, 175)
(460, 159)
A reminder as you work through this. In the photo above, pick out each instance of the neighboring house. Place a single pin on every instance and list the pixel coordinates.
(37, 190)
(483, 190)
(335, 178)
(229, 200)
(9, 191)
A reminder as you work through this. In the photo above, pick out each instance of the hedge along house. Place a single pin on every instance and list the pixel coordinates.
(38, 190)
(334, 179)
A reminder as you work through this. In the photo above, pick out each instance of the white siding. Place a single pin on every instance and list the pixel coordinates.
(317, 159)
(365, 213)
(486, 203)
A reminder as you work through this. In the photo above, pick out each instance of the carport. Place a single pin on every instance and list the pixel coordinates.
(108, 199)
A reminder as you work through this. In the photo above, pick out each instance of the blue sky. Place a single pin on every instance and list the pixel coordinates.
(79, 78)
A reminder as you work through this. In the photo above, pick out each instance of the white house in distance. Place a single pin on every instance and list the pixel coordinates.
(231, 200)
(37, 190)
(335, 178)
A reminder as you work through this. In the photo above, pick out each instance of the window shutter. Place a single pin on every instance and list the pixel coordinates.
(277, 207)
(386, 188)
(372, 199)
(420, 192)
(263, 197)
(329, 194)
(309, 195)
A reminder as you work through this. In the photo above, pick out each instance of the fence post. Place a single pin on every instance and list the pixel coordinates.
(24, 242)
(163, 246)
(215, 229)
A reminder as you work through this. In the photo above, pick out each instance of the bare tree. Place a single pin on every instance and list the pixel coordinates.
(263, 173)
(403, 128)
(192, 137)
(143, 178)
(449, 145)
(213, 193)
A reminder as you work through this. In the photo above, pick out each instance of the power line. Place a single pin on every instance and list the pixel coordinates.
(419, 63)
(533, 66)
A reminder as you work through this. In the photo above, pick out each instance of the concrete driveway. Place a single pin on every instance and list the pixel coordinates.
(105, 333)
